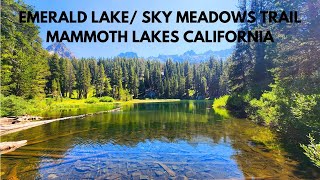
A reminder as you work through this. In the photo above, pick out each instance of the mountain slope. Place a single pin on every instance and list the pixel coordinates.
(60, 49)
(128, 55)
(193, 57)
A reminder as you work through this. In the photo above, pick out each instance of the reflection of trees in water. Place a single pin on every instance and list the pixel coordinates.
(162, 121)
(259, 152)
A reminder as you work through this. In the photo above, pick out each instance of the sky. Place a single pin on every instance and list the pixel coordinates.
(110, 49)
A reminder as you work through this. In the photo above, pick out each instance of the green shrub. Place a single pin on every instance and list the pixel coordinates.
(106, 99)
(191, 92)
(91, 100)
(125, 95)
(306, 109)
(14, 106)
(49, 101)
(312, 150)
(237, 104)
(221, 102)
(266, 110)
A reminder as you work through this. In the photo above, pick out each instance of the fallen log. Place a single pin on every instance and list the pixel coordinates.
(7, 129)
(44, 149)
(6, 147)
(169, 171)
(35, 155)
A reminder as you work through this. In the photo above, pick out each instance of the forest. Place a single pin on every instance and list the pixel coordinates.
(277, 84)
(272, 83)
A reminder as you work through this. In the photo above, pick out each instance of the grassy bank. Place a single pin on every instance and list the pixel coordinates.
(62, 107)
(53, 107)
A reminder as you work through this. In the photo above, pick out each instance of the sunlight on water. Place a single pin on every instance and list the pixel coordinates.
(180, 140)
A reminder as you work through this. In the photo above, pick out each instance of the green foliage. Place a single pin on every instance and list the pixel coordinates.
(266, 110)
(312, 151)
(14, 106)
(24, 62)
(220, 102)
(191, 92)
(277, 84)
(125, 95)
(106, 99)
(306, 108)
(286, 109)
(237, 104)
(91, 100)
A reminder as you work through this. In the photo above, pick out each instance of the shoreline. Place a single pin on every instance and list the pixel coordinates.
(12, 128)
(6, 129)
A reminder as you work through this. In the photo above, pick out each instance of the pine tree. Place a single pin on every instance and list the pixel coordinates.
(23, 61)
(100, 81)
(70, 78)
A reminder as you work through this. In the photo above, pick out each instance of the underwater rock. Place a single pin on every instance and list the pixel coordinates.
(174, 167)
(144, 177)
(82, 168)
(159, 173)
(136, 174)
(190, 173)
(52, 176)
(182, 178)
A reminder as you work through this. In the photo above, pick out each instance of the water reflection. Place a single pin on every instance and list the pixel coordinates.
(160, 140)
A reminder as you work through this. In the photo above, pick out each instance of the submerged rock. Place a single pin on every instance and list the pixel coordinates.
(52, 176)
(159, 173)
(182, 178)
(82, 169)
(174, 167)
(136, 174)
(190, 173)
(144, 177)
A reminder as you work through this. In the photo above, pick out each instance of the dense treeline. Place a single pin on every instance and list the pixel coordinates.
(277, 84)
(29, 71)
(124, 78)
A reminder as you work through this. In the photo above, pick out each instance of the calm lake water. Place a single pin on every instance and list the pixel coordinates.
(176, 140)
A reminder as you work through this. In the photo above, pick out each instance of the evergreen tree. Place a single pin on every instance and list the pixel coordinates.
(23, 61)
(100, 81)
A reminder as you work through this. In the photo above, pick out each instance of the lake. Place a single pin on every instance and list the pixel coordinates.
(175, 140)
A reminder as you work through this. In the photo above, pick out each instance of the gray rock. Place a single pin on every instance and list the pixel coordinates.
(174, 167)
(159, 173)
(82, 168)
(136, 174)
(114, 176)
(144, 177)
(182, 178)
(52, 176)
(190, 173)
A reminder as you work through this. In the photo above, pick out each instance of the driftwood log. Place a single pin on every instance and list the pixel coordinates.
(7, 129)
(6, 147)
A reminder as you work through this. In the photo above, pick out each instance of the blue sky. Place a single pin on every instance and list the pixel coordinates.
(110, 49)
